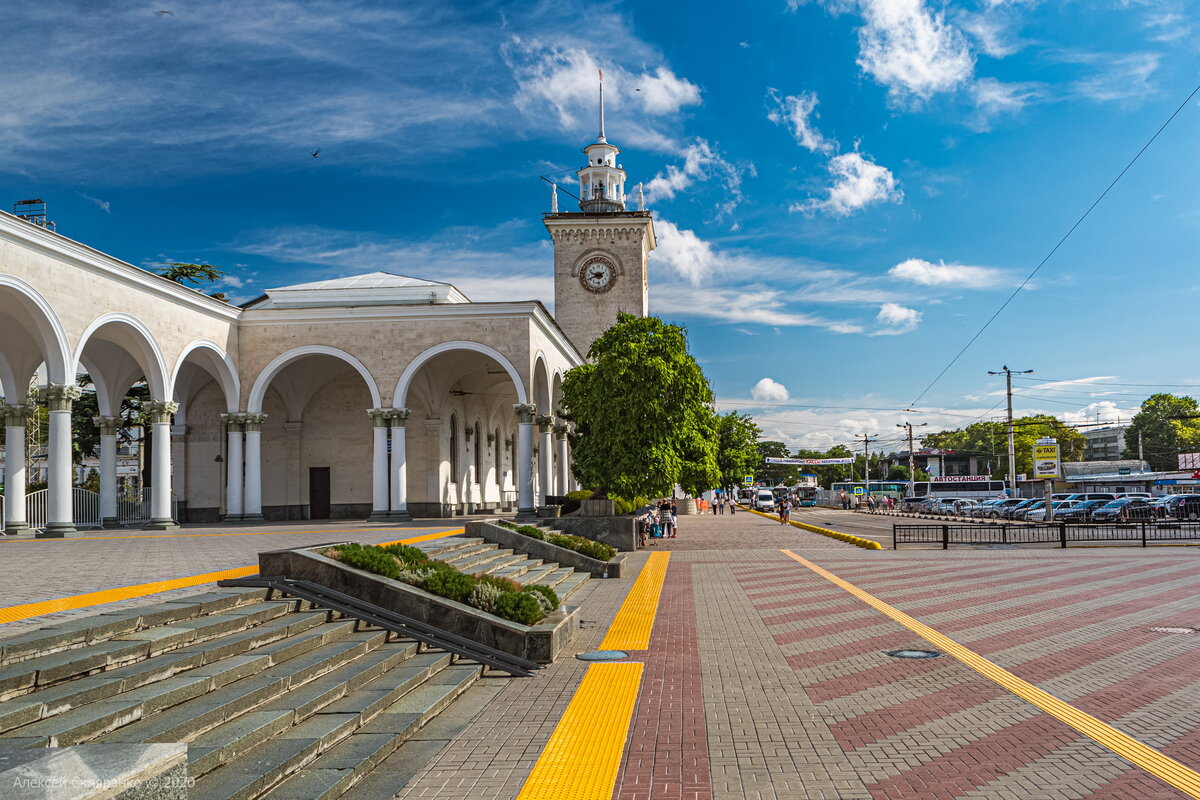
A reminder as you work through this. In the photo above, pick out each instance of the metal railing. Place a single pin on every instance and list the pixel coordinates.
(85, 509)
(1057, 533)
(391, 621)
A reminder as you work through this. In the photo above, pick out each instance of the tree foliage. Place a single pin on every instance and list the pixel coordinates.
(1165, 429)
(737, 447)
(194, 275)
(643, 412)
(989, 442)
(774, 474)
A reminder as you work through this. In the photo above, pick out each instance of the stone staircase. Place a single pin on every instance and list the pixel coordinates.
(479, 557)
(274, 699)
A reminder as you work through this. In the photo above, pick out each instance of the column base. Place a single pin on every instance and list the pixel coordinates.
(399, 516)
(230, 518)
(164, 524)
(252, 518)
(56, 530)
(378, 515)
(110, 523)
(526, 513)
(13, 528)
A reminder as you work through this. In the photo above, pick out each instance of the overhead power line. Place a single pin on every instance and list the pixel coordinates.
(1054, 249)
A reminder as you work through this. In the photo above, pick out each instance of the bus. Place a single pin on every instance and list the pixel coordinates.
(895, 489)
(806, 496)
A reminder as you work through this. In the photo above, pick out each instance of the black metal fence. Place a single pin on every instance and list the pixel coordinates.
(1057, 533)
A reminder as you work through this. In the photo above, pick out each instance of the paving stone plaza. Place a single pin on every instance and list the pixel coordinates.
(765, 679)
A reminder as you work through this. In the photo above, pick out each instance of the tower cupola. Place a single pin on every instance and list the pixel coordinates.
(602, 181)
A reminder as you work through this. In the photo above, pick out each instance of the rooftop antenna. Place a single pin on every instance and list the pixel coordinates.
(602, 139)
(34, 212)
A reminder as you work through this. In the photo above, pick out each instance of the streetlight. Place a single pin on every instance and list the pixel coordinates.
(912, 470)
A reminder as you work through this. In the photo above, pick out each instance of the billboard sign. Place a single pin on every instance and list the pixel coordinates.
(811, 462)
(1045, 461)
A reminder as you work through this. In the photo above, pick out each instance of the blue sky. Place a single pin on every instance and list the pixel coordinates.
(843, 191)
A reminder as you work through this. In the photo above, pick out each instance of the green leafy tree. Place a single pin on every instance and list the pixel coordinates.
(85, 440)
(737, 447)
(899, 472)
(643, 412)
(988, 441)
(193, 275)
(775, 474)
(1168, 426)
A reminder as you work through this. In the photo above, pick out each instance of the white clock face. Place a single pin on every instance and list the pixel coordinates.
(598, 275)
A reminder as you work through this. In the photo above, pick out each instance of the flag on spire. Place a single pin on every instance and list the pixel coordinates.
(602, 75)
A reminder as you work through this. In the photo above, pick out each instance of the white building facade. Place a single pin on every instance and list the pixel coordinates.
(375, 396)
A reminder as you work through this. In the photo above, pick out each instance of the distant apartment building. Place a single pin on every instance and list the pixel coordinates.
(1104, 444)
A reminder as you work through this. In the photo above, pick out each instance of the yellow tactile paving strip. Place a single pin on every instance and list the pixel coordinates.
(27, 610)
(581, 759)
(1157, 764)
(630, 629)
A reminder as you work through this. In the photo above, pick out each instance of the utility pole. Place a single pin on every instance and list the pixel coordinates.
(866, 440)
(1012, 450)
(912, 469)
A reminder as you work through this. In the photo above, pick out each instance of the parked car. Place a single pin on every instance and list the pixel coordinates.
(1106, 496)
(1184, 506)
(1018, 510)
(1039, 514)
(1158, 506)
(963, 507)
(984, 508)
(1124, 509)
(1082, 510)
(764, 500)
(1142, 495)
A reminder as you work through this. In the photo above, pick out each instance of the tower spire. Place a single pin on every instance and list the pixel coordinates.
(601, 138)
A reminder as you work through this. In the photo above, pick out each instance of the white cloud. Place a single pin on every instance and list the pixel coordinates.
(911, 50)
(896, 319)
(995, 98)
(741, 304)
(926, 273)
(233, 280)
(769, 391)
(989, 29)
(1102, 411)
(104, 205)
(665, 93)
(683, 251)
(797, 113)
(1124, 77)
(857, 183)
(701, 162)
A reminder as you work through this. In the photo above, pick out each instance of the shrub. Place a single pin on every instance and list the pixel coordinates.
(622, 506)
(370, 558)
(407, 554)
(561, 540)
(450, 583)
(484, 596)
(415, 577)
(574, 500)
(533, 532)
(597, 550)
(519, 607)
(546, 594)
(503, 523)
(503, 584)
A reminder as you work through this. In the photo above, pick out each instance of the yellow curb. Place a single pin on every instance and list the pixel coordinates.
(849, 538)
(1157, 764)
(72, 602)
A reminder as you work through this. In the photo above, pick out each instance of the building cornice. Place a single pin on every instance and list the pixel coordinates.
(57, 246)
(610, 227)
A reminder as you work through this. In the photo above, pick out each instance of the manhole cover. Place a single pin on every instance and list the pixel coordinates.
(914, 654)
(1173, 630)
(602, 655)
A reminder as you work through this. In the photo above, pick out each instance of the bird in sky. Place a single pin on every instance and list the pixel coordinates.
(163, 13)
(315, 153)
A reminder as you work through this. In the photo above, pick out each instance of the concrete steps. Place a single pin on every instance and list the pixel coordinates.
(272, 701)
(477, 557)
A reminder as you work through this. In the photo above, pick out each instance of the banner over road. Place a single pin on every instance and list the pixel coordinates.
(811, 462)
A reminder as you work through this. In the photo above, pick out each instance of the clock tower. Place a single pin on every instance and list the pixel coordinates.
(600, 251)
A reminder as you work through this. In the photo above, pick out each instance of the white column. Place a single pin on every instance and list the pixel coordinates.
(108, 427)
(159, 416)
(252, 507)
(379, 463)
(14, 470)
(562, 482)
(524, 461)
(60, 512)
(234, 476)
(399, 472)
(545, 457)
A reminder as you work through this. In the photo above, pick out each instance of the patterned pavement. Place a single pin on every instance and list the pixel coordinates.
(765, 681)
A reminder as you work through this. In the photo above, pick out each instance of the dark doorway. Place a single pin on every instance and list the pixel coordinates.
(318, 492)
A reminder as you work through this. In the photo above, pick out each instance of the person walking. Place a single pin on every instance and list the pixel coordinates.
(784, 511)
(664, 519)
(674, 520)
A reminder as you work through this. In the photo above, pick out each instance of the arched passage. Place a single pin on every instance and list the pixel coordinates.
(450, 460)
(308, 437)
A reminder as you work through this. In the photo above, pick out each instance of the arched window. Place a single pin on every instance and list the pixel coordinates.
(453, 449)
(478, 456)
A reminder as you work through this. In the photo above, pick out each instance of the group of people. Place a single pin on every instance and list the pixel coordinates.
(854, 502)
(718, 505)
(660, 521)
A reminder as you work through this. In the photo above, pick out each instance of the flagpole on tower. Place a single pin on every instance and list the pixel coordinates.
(602, 139)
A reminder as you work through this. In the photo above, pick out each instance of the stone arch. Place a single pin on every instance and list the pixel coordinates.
(32, 319)
(216, 362)
(400, 397)
(541, 384)
(128, 333)
(259, 390)
(556, 391)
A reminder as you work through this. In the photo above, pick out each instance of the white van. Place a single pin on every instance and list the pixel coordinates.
(764, 500)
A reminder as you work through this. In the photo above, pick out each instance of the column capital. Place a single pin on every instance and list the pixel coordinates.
(379, 417)
(524, 412)
(60, 397)
(253, 422)
(108, 425)
(560, 430)
(544, 422)
(158, 411)
(15, 415)
(399, 416)
(233, 422)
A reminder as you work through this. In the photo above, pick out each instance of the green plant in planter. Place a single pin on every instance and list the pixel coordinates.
(407, 554)
(371, 559)
(519, 607)
(450, 583)
(544, 592)
(574, 500)
(596, 550)
(532, 532)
